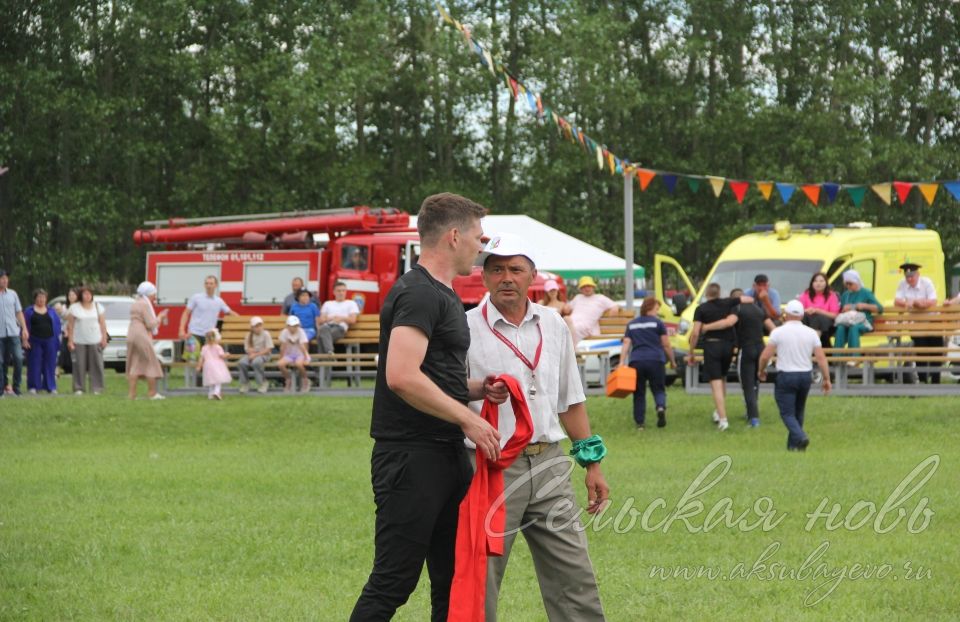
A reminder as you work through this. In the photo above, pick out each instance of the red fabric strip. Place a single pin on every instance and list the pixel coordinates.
(474, 543)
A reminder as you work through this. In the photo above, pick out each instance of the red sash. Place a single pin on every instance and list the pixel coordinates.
(474, 543)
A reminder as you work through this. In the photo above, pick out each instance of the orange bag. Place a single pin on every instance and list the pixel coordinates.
(621, 382)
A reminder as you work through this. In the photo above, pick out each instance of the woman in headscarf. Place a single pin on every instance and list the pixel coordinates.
(855, 301)
(142, 361)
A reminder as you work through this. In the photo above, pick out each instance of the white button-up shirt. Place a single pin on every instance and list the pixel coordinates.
(557, 377)
(923, 291)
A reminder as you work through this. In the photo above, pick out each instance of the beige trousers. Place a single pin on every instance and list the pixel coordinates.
(87, 362)
(556, 538)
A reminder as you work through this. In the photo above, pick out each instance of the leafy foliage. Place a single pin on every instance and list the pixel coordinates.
(116, 112)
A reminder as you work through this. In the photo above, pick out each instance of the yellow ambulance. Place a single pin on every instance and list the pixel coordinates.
(790, 254)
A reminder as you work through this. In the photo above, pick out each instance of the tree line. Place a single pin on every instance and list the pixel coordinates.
(112, 113)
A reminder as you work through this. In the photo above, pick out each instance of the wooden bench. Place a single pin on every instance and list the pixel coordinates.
(897, 324)
(856, 371)
(612, 328)
(322, 368)
(353, 363)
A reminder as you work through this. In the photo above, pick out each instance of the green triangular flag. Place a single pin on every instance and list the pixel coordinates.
(694, 184)
(856, 194)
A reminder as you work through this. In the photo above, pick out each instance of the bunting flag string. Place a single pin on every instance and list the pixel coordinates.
(617, 165)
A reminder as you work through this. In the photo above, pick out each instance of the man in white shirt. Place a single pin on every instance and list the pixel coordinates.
(203, 311)
(794, 344)
(511, 334)
(918, 292)
(336, 318)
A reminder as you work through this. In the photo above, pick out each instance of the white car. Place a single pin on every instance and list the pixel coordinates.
(116, 313)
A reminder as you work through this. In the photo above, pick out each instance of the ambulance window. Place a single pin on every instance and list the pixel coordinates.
(354, 257)
(839, 261)
(674, 288)
(866, 268)
(176, 282)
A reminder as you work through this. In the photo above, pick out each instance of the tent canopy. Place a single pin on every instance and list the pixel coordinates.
(556, 251)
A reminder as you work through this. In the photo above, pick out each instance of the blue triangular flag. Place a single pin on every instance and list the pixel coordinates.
(619, 168)
(831, 190)
(786, 191)
(532, 101)
(670, 181)
(953, 187)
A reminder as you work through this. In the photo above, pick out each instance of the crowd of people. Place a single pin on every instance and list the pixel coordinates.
(736, 325)
(70, 337)
(46, 339)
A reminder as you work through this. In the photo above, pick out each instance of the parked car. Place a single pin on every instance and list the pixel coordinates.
(116, 313)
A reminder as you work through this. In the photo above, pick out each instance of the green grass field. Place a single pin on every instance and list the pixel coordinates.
(260, 508)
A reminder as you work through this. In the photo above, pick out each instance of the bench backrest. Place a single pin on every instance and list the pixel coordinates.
(895, 321)
(236, 327)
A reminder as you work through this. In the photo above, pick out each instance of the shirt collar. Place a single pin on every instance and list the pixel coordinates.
(494, 315)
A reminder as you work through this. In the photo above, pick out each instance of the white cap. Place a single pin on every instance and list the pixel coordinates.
(293, 320)
(255, 320)
(505, 245)
(794, 307)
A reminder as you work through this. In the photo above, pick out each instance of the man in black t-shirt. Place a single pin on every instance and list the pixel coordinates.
(749, 321)
(419, 468)
(717, 346)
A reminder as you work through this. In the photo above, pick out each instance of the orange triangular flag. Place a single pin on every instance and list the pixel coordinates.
(610, 164)
(812, 191)
(929, 191)
(883, 191)
(765, 188)
(645, 176)
(717, 184)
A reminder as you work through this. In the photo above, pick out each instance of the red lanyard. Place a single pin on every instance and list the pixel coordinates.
(536, 357)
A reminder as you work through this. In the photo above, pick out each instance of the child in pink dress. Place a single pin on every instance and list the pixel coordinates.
(213, 365)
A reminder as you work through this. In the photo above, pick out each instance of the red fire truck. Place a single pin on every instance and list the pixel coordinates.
(256, 257)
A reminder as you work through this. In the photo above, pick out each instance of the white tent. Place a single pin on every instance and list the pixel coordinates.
(556, 251)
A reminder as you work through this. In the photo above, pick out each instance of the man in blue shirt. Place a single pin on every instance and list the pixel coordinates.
(765, 297)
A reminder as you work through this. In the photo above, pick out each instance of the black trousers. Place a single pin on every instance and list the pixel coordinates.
(417, 488)
(928, 342)
(747, 362)
(823, 324)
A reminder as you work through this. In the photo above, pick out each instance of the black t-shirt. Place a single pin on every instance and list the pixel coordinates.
(420, 301)
(749, 326)
(715, 310)
(41, 325)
